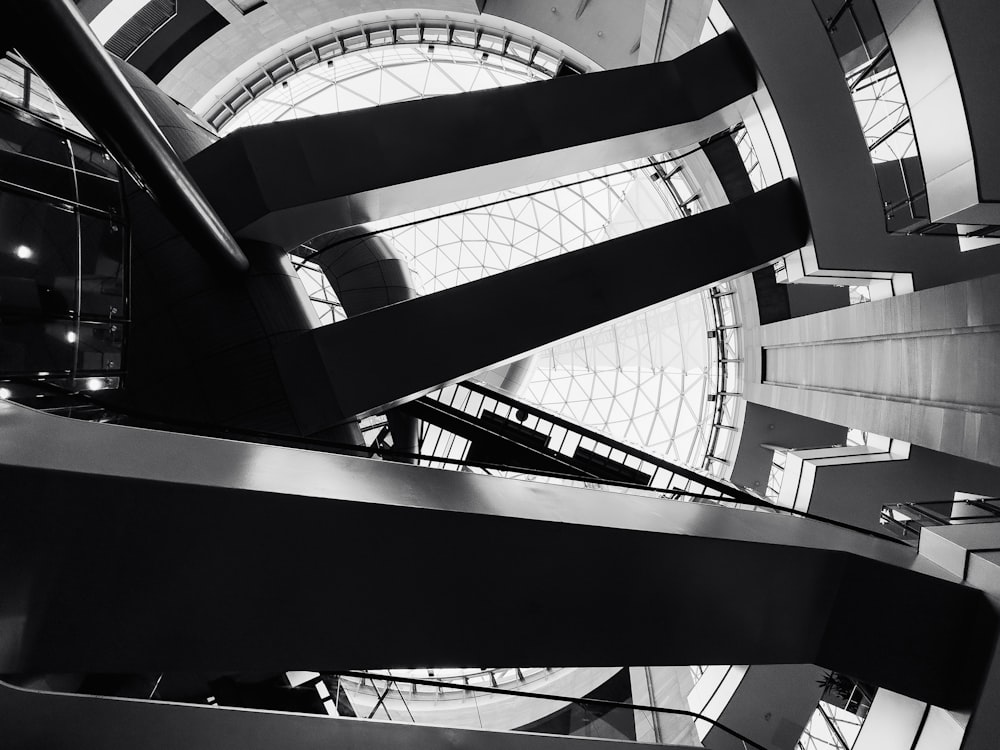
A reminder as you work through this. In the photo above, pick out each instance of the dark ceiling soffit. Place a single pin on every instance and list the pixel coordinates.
(195, 23)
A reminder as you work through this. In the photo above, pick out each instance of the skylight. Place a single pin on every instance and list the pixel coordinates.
(644, 379)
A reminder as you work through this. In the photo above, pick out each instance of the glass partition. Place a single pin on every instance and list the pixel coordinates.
(63, 242)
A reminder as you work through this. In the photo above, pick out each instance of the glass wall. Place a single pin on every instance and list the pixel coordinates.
(63, 243)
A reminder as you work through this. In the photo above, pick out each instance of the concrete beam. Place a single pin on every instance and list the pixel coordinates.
(354, 367)
(132, 550)
(291, 181)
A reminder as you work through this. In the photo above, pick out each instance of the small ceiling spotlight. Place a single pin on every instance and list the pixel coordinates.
(24, 252)
(5, 393)
(71, 336)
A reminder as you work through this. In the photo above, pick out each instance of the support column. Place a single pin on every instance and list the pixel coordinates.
(920, 368)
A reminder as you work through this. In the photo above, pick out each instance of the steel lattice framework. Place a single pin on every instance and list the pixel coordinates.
(644, 380)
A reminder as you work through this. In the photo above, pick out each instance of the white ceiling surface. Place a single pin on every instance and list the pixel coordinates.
(278, 24)
(606, 31)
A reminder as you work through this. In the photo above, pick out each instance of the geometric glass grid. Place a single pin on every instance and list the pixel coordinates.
(321, 294)
(644, 379)
(381, 75)
(478, 237)
(883, 113)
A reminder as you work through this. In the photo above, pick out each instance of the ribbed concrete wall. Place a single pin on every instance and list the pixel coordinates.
(921, 368)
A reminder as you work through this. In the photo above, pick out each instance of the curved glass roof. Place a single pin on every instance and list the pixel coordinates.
(644, 379)
(380, 75)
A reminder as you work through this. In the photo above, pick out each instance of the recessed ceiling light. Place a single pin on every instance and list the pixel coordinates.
(24, 252)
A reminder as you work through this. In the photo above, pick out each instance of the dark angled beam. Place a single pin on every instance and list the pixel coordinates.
(290, 181)
(389, 356)
(54, 38)
(128, 550)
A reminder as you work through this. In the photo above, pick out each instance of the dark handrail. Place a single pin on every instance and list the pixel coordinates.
(547, 696)
(716, 484)
(291, 441)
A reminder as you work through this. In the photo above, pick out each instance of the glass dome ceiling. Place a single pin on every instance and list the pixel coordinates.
(644, 379)
(381, 75)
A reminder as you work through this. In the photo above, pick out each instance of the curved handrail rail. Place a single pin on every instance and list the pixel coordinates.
(609, 704)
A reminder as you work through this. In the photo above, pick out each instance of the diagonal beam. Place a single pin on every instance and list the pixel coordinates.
(290, 181)
(133, 550)
(389, 356)
(54, 38)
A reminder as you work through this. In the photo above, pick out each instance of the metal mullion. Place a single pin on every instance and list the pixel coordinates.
(832, 22)
(861, 33)
(867, 70)
(381, 700)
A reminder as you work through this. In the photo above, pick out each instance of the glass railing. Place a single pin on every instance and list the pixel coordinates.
(64, 244)
(526, 705)
(21, 87)
(592, 456)
(905, 520)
